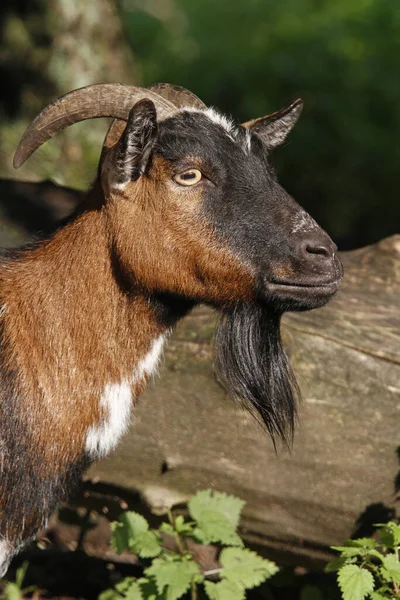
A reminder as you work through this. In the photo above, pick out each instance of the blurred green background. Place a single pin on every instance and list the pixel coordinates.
(248, 58)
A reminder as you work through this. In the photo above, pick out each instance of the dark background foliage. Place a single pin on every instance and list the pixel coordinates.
(248, 58)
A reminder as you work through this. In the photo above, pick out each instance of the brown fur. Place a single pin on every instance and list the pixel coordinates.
(70, 327)
(160, 236)
(69, 330)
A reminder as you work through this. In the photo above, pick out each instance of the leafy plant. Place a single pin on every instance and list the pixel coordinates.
(368, 567)
(14, 590)
(171, 574)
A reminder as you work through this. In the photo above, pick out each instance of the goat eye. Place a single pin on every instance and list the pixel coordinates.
(190, 177)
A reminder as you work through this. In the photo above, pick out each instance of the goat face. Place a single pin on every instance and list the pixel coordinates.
(195, 209)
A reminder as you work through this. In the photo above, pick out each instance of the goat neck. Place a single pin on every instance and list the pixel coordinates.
(69, 319)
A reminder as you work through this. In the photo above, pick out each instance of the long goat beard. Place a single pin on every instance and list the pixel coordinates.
(253, 367)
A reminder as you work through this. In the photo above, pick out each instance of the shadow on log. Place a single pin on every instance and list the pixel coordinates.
(28, 208)
(342, 475)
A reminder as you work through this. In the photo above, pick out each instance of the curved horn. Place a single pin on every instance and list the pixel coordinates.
(91, 102)
(176, 94)
(179, 96)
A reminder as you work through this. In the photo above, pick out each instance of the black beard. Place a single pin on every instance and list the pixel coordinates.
(253, 367)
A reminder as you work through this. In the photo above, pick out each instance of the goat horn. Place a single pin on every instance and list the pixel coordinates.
(176, 94)
(94, 101)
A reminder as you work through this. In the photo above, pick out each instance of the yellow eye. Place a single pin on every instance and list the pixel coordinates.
(190, 177)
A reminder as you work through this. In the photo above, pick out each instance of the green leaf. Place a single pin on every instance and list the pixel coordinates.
(215, 527)
(380, 595)
(245, 568)
(311, 592)
(359, 547)
(109, 595)
(376, 554)
(362, 543)
(13, 592)
(119, 537)
(149, 589)
(20, 574)
(132, 531)
(124, 531)
(349, 551)
(390, 569)
(179, 521)
(124, 585)
(217, 515)
(355, 583)
(386, 537)
(337, 563)
(186, 529)
(200, 536)
(217, 502)
(395, 530)
(127, 588)
(389, 534)
(224, 590)
(134, 591)
(175, 576)
(134, 523)
(146, 545)
(168, 529)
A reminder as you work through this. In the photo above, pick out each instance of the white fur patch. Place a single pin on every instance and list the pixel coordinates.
(303, 222)
(248, 141)
(220, 119)
(148, 364)
(116, 402)
(216, 117)
(226, 123)
(6, 554)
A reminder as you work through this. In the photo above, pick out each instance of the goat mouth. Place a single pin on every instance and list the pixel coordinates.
(327, 285)
(312, 287)
(303, 295)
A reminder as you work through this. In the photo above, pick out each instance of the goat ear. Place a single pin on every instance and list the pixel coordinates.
(136, 144)
(274, 128)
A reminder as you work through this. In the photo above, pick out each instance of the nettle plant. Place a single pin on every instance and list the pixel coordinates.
(172, 574)
(15, 590)
(368, 567)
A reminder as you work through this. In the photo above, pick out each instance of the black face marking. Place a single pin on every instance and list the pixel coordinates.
(193, 134)
(250, 213)
(293, 258)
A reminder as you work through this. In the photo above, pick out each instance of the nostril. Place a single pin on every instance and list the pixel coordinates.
(318, 249)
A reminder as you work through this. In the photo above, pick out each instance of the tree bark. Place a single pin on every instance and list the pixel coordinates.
(48, 49)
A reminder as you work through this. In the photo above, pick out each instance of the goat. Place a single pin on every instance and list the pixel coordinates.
(186, 209)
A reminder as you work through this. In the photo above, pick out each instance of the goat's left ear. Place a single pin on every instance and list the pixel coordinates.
(136, 143)
(274, 128)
